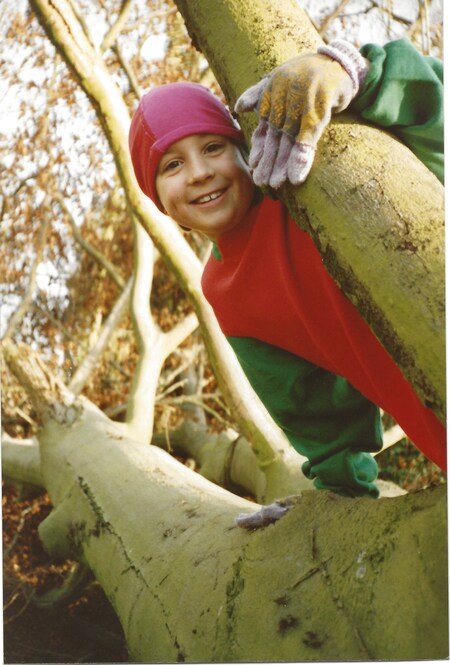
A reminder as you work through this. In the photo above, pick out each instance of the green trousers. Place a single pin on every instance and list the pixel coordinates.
(326, 420)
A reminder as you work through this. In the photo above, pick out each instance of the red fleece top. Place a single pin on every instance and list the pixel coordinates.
(271, 285)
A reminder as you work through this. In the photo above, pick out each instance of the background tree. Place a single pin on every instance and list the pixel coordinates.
(83, 312)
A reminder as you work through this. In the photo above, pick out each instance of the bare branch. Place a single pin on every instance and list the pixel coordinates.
(380, 6)
(426, 41)
(89, 248)
(154, 345)
(21, 460)
(117, 26)
(149, 338)
(179, 332)
(56, 322)
(75, 582)
(129, 73)
(86, 367)
(50, 397)
(22, 309)
(328, 19)
(80, 18)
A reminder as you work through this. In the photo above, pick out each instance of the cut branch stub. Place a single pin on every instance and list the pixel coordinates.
(50, 397)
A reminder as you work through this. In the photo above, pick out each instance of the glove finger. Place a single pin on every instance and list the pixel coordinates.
(258, 141)
(262, 172)
(249, 99)
(300, 162)
(293, 109)
(279, 171)
(272, 105)
(312, 126)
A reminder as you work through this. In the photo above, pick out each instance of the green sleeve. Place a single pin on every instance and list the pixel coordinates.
(403, 92)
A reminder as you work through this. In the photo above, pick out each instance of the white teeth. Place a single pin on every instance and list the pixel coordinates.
(209, 197)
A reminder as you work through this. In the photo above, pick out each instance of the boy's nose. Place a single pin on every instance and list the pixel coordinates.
(199, 169)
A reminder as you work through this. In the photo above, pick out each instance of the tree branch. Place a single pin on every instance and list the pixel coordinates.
(191, 586)
(117, 26)
(21, 460)
(49, 396)
(154, 345)
(328, 19)
(129, 73)
(22, 309)
(88, 247)
(83, 372)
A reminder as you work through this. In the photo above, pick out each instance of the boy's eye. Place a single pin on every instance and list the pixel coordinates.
(173, 164)
(214, 147)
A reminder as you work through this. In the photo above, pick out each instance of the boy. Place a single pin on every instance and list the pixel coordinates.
(309, 355)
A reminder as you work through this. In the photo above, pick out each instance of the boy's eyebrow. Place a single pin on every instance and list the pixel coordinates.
(169, 151)
(167, 154)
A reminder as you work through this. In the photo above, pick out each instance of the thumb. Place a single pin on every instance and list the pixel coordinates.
(249, 99)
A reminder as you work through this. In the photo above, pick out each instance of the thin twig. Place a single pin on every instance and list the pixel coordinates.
(117, 26)
(191, 399)
(20, 526)
(129, 72)
(328, 19)
(22, 309)
(22, 610)
(88, 247)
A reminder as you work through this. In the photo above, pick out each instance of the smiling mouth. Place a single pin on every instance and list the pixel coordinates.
(209, 197)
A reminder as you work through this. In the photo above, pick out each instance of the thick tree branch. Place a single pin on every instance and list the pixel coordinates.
(191, 586)
(49, 396)
(21, 460)
(149, 338)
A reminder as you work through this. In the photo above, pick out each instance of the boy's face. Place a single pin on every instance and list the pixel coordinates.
(204, 184)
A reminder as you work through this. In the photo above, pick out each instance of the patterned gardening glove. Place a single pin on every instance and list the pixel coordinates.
(295, 103)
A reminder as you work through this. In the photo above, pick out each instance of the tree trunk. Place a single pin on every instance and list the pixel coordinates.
(333, 579)
(381, 235)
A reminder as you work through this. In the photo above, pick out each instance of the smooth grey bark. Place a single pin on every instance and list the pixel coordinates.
(334, 579)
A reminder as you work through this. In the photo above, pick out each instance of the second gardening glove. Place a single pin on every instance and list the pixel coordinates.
(295, 103)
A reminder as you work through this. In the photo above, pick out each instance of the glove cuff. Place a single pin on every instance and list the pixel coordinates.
(349, 58)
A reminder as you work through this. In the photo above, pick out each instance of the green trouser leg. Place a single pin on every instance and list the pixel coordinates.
(325, 418)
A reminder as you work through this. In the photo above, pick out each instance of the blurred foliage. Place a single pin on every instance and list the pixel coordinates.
(404, 465)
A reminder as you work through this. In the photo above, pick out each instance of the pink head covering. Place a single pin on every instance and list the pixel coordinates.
(167, 114)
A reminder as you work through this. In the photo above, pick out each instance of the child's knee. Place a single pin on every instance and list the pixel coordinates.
(347, 472)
